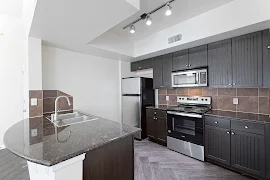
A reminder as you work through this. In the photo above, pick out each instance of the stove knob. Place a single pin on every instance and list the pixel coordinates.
(169, 131)
(206, 100)
(202, 99)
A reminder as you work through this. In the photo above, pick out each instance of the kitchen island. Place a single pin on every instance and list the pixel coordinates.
(99, 149)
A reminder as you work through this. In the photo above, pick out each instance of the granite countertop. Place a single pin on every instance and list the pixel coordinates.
(43, 148)
(239, 115)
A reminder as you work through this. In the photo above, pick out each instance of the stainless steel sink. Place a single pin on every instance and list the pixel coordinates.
(72, 118)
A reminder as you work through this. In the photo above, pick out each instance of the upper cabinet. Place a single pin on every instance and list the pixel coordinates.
(162, 69)
(141, 65)
(197, 56)
(266, 58)
(190, 58)
(247, 60)
(220, 64)
(180, 60)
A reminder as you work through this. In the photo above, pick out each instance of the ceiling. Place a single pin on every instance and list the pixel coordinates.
(11, 7)
(122, 41)
(182, 10)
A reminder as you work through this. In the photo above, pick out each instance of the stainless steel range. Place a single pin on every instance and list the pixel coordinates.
(185, 126)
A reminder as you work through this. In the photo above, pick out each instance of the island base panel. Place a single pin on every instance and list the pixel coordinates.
(69, 169)
(113, 161)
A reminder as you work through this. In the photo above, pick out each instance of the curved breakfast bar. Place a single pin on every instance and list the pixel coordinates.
(97, 149)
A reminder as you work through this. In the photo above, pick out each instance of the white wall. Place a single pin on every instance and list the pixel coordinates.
(94, 82)
(225, 19)
(11, 72)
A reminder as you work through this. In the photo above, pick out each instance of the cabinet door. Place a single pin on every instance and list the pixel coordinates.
(157, 73)
(151, 127)
(220, 64)
(247, 60)
(147, 64)
(248, 152)
(167, 70)
(180, 60)
(135, 66)
(197, 57)
(266, 58)
(161, 129)
(217, 144)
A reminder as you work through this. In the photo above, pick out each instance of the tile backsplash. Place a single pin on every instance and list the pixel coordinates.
(46, 100)
(251, 100)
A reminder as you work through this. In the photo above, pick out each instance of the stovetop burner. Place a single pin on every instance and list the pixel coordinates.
(198, 105)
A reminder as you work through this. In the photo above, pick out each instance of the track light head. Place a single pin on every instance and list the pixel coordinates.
(132, 29)
(148, 20)
(169, 10)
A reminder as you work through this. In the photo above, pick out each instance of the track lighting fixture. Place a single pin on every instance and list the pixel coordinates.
(132, 29)
(148, 20)
(147, 16)
(169, 10)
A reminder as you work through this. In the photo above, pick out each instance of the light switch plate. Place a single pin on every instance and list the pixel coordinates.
(33, 132)
(34, 101)
(235, 100)
(167, 98)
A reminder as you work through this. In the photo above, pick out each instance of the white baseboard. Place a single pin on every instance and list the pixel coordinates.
(2, 147)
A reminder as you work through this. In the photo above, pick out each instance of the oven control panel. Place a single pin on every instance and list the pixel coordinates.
(193, 100)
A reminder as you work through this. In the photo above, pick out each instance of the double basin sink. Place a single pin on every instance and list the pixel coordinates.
(71, 118)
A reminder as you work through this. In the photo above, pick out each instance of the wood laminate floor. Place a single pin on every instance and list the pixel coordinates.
(152, 162)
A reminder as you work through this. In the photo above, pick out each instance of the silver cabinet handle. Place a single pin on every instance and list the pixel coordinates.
(216, 122)
(230, 84)
(186, 65)
(189, 65)
(246, 127)
(233, 83)
(232, 133)
(183, 136)
(155, 112)
(268, 47)
(154, 118)
(140, 67)
(228, 132)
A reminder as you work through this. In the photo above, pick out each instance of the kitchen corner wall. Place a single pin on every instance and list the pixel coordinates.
(251, 100)
(46, 100)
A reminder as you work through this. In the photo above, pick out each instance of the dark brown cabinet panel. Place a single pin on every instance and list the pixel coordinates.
(141, 65)
(167, 70)
(161, 129)
(135, 66)
(217, 144)
(247, 60)
(156, 123)
(150, 124)
(266, 58)
(197, 56)
(220, 64)
(180, 60)
(248, 152)
(157, 73)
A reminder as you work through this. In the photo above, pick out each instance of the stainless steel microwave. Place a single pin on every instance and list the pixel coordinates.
(190, 78)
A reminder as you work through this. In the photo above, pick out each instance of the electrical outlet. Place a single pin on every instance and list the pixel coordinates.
(167, 98)
(34, 101)
(235, 100)
(33, 132)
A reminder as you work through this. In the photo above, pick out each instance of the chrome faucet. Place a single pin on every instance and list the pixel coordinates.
(55, 117)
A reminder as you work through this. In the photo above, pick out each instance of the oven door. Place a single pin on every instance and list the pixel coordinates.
(186, 127)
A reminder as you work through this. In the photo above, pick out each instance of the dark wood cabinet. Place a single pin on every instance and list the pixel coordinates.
(220, 64)
(162, 69)
(266, 58)
(217, 144)
(241, 146)
(151, 127)
(156, 122)
(167, 70)
(197, 56)
(180, 60)
(248, 152)
(142, 65)
(161, 129)
(157, 73)
(247, 60)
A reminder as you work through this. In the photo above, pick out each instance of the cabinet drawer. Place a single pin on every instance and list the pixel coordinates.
(218, 121)
(157, 113)
(247, 126)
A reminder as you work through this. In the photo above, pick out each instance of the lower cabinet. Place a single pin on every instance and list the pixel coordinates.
(248, 152)
(241, 147)
(217, 144)
(156, 122)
